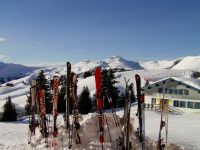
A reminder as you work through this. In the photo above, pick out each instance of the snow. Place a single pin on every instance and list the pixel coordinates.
(181, 131)
(155, 65)
(189, 62)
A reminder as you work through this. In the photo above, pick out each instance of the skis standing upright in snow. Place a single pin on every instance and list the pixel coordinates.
(68, 97)
(164, 106)
(43, 117)
(75, 110)
(55, 105)
(141, 113)
(68, 83)
(33, 122)
(98, 79)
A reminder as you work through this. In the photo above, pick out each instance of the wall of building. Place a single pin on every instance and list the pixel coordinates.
(187, 98)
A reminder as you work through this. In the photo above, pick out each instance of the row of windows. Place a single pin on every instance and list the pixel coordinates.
(194, 105)
(174, 91)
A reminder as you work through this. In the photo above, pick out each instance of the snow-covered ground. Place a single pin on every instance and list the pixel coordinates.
(183, 131)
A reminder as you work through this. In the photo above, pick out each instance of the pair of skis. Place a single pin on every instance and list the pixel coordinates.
(71, 94)
(141, 111)
(98, 80)
(55, 110)
(33, 121)
(164, 106)
(127, 110)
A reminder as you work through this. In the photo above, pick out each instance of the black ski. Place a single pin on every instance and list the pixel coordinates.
(140, 99)
(68, 97)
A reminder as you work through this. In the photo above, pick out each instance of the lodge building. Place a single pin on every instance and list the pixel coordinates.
(181, 93)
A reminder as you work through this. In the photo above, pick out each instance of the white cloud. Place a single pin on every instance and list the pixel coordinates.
(3, 39)
(5, 58)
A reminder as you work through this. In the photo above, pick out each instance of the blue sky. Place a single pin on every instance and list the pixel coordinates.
(42, 31)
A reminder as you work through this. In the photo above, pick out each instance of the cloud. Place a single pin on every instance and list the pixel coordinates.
(3, 39)
(5, 58)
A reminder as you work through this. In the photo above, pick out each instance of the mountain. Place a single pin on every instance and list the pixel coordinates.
(11, 71)
(189, 63)
(14, 71)
(155, 65)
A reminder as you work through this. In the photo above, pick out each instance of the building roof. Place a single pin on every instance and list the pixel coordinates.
(188, 82)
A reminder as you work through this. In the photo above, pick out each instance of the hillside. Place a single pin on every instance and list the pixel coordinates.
(11, 71)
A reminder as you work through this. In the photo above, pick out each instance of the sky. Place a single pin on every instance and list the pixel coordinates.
(46, 31)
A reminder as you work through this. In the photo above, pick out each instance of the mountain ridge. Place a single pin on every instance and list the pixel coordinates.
(9, 71)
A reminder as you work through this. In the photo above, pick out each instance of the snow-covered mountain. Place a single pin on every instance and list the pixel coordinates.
(13, 71)
(189, 62)
(152, 70)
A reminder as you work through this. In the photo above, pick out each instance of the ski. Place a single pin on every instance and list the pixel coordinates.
(68, 82)
(140, 99)
(164, 104)
(128, 124)
(98, 79)
(43, 114)
(68, 97)
(75, 110)
(55, 105)
(32, 124)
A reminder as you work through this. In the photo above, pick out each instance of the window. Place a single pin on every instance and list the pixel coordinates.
(186, 92)
(166, 89)
(153, 101)
(175, 91)
(176, 103)
(181, 91)
(182, 104)
(160, 90)
(197, 105)
(170, 91)
(190, 104)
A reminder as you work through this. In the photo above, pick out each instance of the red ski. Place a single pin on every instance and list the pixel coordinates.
(99, 103)
(55, 104)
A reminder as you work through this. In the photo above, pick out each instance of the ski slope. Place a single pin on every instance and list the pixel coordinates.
(182, 132)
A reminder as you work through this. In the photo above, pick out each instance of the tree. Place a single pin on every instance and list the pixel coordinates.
(87, 74)
(122, 99)
(85, 102)
(28, 105)
(109, 88)
(9, 111)
(42, 82)
(62, 100)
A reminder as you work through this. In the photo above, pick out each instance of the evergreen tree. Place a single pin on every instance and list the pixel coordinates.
(28, 105)
(108, 83)
(122, 99)
(85, 102)
(9, 111)
(42, 82)
(62, 100)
